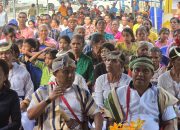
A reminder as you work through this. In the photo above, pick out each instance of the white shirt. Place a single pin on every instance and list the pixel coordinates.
(20, 80)
(144, 107)
(3, 19)
(121, 27)
(62, 27)
(166, 81)
(103, 88)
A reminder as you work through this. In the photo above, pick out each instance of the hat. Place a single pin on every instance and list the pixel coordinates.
(174, 52)
(13, 22)
(113, 55)
(142, 60)
(5, 45)
(61, 62)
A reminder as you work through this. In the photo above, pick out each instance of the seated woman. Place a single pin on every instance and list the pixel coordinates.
(9, 102)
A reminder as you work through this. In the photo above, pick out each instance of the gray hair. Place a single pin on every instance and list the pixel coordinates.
(43, 25)
(78, 28)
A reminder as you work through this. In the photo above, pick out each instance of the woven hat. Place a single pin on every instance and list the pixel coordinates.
(5, 45)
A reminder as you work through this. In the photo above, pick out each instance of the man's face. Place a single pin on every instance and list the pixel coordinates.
(76, 45)
(72, 24)
(101, 25)
(156, 58)
(46, 20)
(7, 56)
(112, 65)
(141, 76)
(22, 18)
(65, 76)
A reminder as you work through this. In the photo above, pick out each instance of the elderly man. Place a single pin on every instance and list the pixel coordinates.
(141, 100)
(62, 102)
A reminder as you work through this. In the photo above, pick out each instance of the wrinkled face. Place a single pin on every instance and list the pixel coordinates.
(141, 35)
(72, 24)
(2, 77)
(22, 18)
(141, 76)
(63, 45)
(104, 52)
(174, 24)
(156, 58)
(7, 56)
(143, 51)
(127, 37)
(65, 76)
(101, 25)
(43, 32)
(48, 60)
(76, 45)
(115, 25)
(112, 65)
(164, 35)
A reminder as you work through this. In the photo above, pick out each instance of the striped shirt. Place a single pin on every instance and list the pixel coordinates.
(50, 119)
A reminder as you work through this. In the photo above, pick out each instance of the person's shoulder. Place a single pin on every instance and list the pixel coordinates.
(102, 77)
(122, 90)
(86, 57)
(164, 76)
(125, 76)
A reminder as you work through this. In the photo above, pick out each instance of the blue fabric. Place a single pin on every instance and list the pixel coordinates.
(35, 73)
(113, 10)
(67, 32)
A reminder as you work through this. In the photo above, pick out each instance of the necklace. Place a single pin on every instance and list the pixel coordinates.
(117, 83)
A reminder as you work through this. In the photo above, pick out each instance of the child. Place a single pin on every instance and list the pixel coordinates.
(46, 66)
(30, 46)
(64, 43)
(163, 38)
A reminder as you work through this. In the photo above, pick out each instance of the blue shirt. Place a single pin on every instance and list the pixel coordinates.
(67, 32)
(113, 10)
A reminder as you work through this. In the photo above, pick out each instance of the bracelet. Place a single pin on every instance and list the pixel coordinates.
(48, 101)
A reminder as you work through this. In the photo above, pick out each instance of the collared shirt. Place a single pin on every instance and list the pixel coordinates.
(21, 82)
(67, 32)
(85, 67)
(51, 117)
(103, 87)
(3, 19)
(166, 81)
(26, 33)
(144, 107)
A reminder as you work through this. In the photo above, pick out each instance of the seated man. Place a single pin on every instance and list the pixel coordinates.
(62, 101)
(142, 100)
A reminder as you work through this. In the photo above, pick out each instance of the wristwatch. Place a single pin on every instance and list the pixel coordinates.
(48, 101)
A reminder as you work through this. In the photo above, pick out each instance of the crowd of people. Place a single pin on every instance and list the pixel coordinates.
(88, 69)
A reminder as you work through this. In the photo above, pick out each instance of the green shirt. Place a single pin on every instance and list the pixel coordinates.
(85, 67)
(46, 74)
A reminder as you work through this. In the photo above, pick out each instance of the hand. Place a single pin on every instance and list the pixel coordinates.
(24, 52)
(45, 49)
(58, 91)
(23, 106)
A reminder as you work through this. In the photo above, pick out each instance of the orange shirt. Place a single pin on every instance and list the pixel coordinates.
(63, 10)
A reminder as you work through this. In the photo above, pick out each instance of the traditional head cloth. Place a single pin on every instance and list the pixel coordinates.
(138, 61)
(5, 45)
(174, 52)
(116, 55)
(61, 62)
